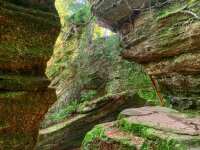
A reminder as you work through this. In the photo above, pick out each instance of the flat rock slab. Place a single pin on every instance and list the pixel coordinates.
(146, 128)
(163, 119)
(145, 111)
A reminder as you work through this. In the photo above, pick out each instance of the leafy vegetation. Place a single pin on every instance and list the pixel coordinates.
(66, 112)
(88, 96)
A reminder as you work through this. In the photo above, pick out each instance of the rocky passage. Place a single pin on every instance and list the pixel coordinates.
(27, 38)
(163, 36)
(146, 128)
(69, 133)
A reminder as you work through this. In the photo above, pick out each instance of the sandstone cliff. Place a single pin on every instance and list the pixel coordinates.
(27, 38)
(163, 36)
(86, 66)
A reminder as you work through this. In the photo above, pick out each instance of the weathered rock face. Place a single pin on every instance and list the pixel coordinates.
(146, 128)
(26, 43)
(70, 133)
(165, 38)
(91, 70)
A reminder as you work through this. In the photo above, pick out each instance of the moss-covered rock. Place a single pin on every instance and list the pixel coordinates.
(70, 132)
(165, 39)
(108, 136)
(158, 127)
(27, 38)
(81, 72)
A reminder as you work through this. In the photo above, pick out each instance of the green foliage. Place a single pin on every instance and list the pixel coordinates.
(88, 95)
(149, 95)
(66, 112)
(74, 7)
(81, 16)
(75, 11)
(152, 96)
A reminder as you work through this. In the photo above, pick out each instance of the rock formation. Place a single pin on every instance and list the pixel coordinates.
(27, 37)
(146, 128)
(163, 36)
(69, 133)
(77, 69)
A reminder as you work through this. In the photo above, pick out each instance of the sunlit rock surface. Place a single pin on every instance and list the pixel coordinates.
(165, 38)
(27, 38)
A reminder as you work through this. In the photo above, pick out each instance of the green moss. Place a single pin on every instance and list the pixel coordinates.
(169, 11)
(175, 8)
(131, 128)
(29, 34)
(96, 132)
(151, 139)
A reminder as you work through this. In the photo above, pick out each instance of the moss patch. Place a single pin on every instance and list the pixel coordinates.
(159, 139)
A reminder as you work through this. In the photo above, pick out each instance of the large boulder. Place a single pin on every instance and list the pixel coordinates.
(146, 128)
(27, 38)
(163, 36)
(69, 133)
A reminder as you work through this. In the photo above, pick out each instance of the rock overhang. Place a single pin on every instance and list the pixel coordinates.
(165, 40)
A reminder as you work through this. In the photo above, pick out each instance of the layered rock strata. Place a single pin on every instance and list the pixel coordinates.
(164, 36)
(27, 38)
(69, 133)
